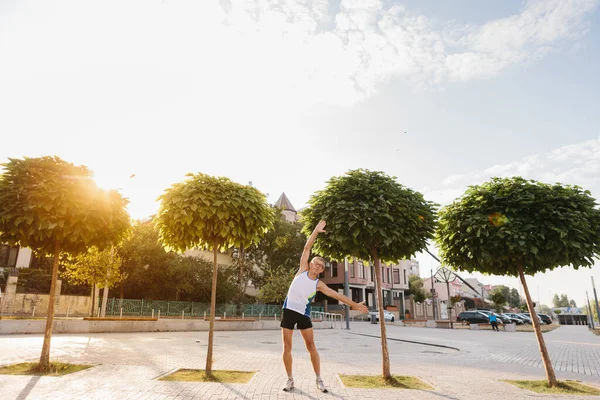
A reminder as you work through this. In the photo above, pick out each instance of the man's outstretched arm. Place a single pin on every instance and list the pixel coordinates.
(309, 243)
(327, 291)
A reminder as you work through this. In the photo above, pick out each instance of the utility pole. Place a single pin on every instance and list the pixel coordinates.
(596, 298)
(591, 323)
(346, 290)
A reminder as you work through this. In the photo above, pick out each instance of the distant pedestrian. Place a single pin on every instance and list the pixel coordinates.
(494, 322)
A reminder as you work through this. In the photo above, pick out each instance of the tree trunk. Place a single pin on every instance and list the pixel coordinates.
(104, 300)
(378, 288)
(213, 306)
(105, 293)
(552, 381)
(45, 356)
(92, 306)
(240, 283)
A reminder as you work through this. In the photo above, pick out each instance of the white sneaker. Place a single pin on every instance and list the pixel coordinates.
(321, 386)
(289, 386)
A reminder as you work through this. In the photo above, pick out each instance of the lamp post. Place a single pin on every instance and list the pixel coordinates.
(445, 275)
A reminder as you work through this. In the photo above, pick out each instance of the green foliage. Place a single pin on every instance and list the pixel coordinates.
(514, 299)
(561, 300)
(498, 298)
(503, 223)
(279, 250)
(34, 280)
(204, 211)
(147, 265)
(94, 267)
(47, 200)
(275, 287)
(368, 210)
(415, 287)
(455, 299)
(200, 271)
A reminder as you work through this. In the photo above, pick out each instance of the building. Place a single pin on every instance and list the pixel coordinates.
(15, 256)
(413, 267)
(458, 288)
(288, 211)
(361, 282)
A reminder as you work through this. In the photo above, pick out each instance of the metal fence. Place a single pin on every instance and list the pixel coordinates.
(188, 308)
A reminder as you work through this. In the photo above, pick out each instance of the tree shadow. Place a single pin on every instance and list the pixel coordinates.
(27, 389)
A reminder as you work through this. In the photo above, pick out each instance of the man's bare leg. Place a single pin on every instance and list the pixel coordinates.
(309, 340)
(286, 335)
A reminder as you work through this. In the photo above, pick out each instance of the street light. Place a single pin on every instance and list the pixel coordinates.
(443, 274)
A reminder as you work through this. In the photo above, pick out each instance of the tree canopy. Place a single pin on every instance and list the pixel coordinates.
(503, 223)
(212, 212)
(368, 210)
(46, 200)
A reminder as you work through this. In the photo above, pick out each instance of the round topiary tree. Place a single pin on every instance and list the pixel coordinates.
(372, 217)
(516, 227)
(53, 206)
(216, 214)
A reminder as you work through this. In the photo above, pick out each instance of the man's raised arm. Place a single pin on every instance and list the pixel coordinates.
(309, 243)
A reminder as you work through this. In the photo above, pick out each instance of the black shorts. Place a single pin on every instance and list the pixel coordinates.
(290, 318)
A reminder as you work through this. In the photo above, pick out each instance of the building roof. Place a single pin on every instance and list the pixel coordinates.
(284, 203)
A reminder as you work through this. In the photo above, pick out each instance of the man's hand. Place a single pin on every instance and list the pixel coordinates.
(361, 307)
(320, 226)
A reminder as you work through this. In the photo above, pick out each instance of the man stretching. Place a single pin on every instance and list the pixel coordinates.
(296, 309)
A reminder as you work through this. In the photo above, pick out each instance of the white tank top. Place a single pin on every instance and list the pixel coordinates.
(300, 294)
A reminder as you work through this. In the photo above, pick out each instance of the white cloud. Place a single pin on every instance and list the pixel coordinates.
(575, 164)
(293, 52)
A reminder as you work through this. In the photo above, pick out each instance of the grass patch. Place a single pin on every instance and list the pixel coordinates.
(529, 328)
(198, 375)
(564, 387)
(378, 382)
(56, 369)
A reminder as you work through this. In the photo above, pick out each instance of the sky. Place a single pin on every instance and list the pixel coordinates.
(286, 94)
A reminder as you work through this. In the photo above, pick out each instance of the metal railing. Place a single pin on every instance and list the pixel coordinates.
(332, 318)
(130, 307)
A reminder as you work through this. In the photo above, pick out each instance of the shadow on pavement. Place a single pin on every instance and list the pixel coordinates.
(27, 389)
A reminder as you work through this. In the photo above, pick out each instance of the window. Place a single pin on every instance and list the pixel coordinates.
(351, 270)
(361, 270)
(334, 269)
(396, 276)
(388, 275)
(405, 281)
(372, 274)
(8, 256)
(382, 274)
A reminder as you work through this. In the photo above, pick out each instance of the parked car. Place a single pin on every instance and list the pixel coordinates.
(473, 317)
(526, 317)
(540, 320)
(545, 318)
(503, 319)
(522, 318)
(512, 320)
(388, 316)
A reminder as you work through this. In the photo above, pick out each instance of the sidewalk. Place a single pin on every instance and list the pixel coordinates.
(129, 363)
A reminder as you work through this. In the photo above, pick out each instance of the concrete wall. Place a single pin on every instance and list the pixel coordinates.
(24, 303)
(162, 325)
(14, 303)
